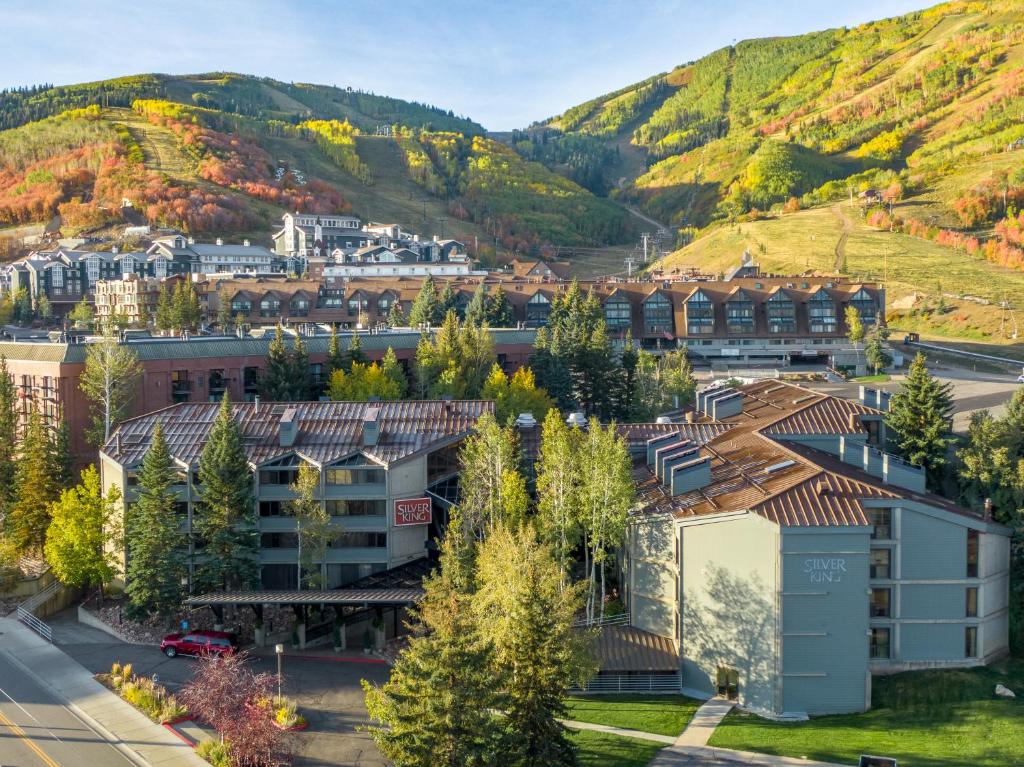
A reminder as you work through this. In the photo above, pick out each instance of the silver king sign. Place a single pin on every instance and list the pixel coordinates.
(412, 511)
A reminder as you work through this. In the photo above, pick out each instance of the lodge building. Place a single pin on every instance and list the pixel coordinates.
(790, 558)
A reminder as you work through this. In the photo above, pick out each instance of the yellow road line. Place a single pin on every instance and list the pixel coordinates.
(28, 741)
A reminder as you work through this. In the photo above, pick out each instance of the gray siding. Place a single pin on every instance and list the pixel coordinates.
(824, 619)
(652, 584)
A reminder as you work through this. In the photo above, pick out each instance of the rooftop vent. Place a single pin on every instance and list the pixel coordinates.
(663, 419)
(576, 419)
(690, 475)
(526, 421)
(778, 466)
(288, 427)
(220, 241)
(245, 243)
(371, 426)
(805, 398)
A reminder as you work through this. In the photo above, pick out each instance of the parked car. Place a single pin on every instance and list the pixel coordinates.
(1020, 379)
(199, 643)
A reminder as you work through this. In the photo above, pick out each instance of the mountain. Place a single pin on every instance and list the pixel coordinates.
(225, 154)
(910, 126)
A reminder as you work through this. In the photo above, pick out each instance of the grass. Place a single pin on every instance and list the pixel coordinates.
(596, 749)
(924, 719)
(660, 714)
(913, 270)
(880, 378)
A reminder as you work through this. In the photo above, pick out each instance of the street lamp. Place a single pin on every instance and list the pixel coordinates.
(279, 650)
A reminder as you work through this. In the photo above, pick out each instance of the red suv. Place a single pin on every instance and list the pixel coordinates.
(199, 643)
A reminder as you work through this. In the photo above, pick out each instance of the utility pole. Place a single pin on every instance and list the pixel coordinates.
(646, 236)
(630, 261)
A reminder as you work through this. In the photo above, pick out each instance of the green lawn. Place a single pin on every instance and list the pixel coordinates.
(924, 719)
(596, 749)
(880, 378)
(660, 714)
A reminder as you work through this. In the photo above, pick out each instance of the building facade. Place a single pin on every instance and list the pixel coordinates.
(378, 465)
(791, 558)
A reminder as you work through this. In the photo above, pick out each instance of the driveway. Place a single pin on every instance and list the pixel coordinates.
(327, 688)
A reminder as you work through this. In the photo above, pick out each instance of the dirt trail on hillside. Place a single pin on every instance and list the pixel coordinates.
(840, 261)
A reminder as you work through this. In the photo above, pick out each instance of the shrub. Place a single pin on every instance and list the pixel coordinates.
(216, 753)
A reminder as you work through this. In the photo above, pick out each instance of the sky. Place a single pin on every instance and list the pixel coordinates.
(504, 64)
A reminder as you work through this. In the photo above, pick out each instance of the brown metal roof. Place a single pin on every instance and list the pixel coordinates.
(327, 431)
(625, 648)
(635, 434)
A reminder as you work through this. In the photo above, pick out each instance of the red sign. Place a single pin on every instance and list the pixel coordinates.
(412, 511)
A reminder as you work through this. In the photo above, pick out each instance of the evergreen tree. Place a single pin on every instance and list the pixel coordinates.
(448, 300)
(920, 417)
(552, 369)
(476, 309)
(164, 319)
(391, 368)
(426, 308)
(335, 359)
(437, 708)
(35, 488)
(499, 310)
(355, 351)
(396, 317)
(874, 351)
(223, 308)
(224, 520)
(276, 382)
(302, 387)
(526, 610)
(83, 314)
(83, 533)
(63, 461)
(157, 569)
(8, 437)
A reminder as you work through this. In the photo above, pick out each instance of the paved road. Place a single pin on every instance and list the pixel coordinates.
(37, 730)
(328, 692)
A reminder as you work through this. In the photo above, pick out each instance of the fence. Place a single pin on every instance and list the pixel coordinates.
(27, 610)
(611, 683)
(608, 620)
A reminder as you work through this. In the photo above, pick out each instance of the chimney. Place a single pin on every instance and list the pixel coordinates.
(821, 488)
(191, 240)
(690, 416)
(245, 243)
(988, 509)
(526, 421)
(371, 426)
(219, 241)
(256, 403)
(115, 250)
(693, 474)
(288, 427)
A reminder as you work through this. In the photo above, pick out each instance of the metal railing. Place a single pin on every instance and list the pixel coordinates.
(609, 620)
(611, 683)
(27, 610)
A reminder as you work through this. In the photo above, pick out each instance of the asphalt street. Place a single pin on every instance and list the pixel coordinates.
(37, 730)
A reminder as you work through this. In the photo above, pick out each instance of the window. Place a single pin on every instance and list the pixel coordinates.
(127, 265)
(881, 603)
(618, 313)
(971, 642)
(537, 310)
(160, 268)
(363, 540)
(57, 277)
(279, 540)
(972, 553)
(739, 314)
(882, 520)
(180, 386)
(865, 305)
(821, 313)
(971, 610)
(700, 314)
(241, 306)
(217, 385)
(275, 509)
(657, 315)
(354, 471)
(250, 382)
(269, 307)
(356, 508)
(880, 563)
(299, 306)
(92, 269)
(880, 644)
(282, 472)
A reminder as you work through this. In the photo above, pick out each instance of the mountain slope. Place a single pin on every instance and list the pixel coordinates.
(226, 154)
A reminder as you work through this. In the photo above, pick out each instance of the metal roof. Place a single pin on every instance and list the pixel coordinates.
(625, 648)
(326, 431)
(333, 597)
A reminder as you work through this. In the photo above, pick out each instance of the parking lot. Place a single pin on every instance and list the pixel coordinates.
(326, 688)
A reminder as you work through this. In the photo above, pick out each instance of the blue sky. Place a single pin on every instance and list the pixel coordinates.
(505, 64)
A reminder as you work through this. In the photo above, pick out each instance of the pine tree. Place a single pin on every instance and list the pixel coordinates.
(275, 383)
(223, 309)
(448, 300)
(224, 520)
(35, 488)
(396, 317)
(550, 366)
(8, 437)
(355, 351)
(302, 374)
(63, 461)
(526, 610)
(874, 351)
(426, 309)
(920, 416)
(83, 533)
(437, 708)
(335, 359)
(154, 543)
(164, 319)
(393, 371)
(476, 309)
(499, 310)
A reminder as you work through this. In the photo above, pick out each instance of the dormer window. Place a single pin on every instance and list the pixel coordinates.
(657, 315)
(700, 314)
(618, 313)
(537, 310)
(739, 314)
(781, 314)
(821, 313)
(866, 306)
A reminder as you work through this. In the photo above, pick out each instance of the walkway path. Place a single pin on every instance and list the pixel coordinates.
(114, 721)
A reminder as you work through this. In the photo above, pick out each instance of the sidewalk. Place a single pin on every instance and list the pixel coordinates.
(131, 732)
